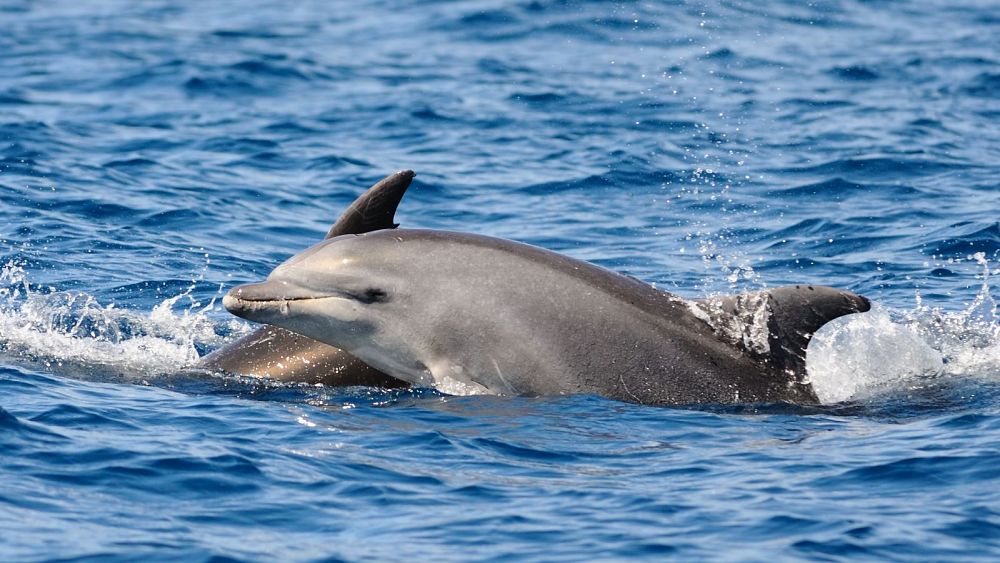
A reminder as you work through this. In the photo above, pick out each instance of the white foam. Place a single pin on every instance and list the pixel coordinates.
(857, 355)
(867, 351)
(54, 328)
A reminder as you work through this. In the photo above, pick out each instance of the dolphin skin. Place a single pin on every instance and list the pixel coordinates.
(475, 314)
(277, 353)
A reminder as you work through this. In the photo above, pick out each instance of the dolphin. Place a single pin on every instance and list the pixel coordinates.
(277, 353)
(467, 313)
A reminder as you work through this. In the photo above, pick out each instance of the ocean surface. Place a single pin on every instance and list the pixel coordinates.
(154, 154)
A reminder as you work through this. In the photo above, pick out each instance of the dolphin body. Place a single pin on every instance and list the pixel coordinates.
(277, 353)
(474, 314)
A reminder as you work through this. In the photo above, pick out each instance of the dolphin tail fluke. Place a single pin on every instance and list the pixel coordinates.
(374, 210)
(775, 326)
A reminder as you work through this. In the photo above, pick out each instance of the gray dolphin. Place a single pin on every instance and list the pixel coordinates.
(277, 353)
(468, 313)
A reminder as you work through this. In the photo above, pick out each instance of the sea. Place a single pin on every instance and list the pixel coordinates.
(154, 154)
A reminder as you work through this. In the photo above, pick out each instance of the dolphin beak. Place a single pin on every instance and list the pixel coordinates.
(244, 300)
(253, 301)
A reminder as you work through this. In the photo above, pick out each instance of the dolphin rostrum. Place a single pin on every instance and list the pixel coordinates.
(472, 314)
(277, 353)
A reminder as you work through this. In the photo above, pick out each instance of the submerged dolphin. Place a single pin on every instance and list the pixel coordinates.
(469, 313)
(277, 353)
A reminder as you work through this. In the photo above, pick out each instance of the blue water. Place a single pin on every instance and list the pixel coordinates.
(153, 154)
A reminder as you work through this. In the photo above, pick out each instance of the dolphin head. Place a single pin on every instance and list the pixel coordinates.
(455, 311)
(339, 292)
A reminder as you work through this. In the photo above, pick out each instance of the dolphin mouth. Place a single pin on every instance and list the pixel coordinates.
(274, 291)
(252, 299)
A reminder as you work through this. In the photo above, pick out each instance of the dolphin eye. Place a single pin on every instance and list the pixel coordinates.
(373, 295)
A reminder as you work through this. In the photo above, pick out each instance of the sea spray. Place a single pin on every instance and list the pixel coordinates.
(58, 328)
(884, 350)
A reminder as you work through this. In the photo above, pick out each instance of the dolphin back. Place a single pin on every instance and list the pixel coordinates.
(775, 326)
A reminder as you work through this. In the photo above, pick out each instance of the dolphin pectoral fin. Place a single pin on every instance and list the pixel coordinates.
(374, 210)
(790, 315)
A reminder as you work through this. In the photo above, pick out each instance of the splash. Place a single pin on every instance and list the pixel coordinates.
(858, 356)
(725, 266)
(60, 329)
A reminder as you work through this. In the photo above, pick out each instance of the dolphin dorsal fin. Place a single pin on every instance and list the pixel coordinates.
(374, 210)
(775, 325)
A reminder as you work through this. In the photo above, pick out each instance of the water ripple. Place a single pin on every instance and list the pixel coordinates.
(154, 154)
